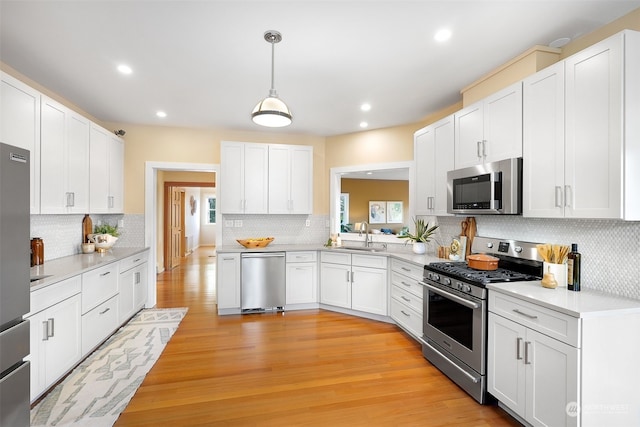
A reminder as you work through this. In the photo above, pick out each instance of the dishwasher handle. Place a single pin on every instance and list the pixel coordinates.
(263, 255)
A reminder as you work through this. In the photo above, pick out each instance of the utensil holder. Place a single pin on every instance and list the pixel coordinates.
(559, 272)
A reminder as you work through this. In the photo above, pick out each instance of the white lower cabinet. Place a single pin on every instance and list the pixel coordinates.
(228, 281)
(132, 285)
(534, 375)
(406, 296)
(99, 323)
(301, 278)
(55, 330)
(354, 281)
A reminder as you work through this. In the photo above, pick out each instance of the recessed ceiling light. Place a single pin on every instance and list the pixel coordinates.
(560, 42)
(365, 107)
(124, 69)
(364, 124)
(161, 114)
(369, 173)
(442, 35)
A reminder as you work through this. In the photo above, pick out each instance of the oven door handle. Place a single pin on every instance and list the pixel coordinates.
(462, 301)
(448, 360)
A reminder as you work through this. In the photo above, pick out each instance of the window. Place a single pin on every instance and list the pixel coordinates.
(211, 210)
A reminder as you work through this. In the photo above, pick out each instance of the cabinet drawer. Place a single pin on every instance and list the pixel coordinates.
(546, 321)
(133, 261)
(336, 257)
(406, 317)
(414, 271)
(53, 294)
(407, 298)
(408, 284)
(99, 323)
(306, 256)
(369, 261)
(99, 285)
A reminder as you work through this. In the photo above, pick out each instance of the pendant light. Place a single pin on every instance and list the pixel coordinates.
(271, 111)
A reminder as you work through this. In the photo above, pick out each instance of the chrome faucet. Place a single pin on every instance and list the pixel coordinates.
(364, 226)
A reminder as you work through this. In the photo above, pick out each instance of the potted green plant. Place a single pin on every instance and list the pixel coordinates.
(104, 236)
(421, 235)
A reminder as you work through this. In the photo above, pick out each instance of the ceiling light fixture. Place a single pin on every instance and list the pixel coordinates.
(364, 124)
(124, 69)
(442, 35)
(271, 111)
(365, 107)
(161, 114)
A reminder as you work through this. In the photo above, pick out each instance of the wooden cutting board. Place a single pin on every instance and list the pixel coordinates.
(471, 232)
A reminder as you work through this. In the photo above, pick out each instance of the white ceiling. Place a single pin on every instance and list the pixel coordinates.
(207, 64)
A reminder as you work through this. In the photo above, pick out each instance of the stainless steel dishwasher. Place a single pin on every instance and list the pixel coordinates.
(263, 281)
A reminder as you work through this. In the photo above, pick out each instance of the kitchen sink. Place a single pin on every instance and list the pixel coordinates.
(39, 277)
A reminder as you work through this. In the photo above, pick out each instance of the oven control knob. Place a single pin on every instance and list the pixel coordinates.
(465, 288)
(518, 249)
(489, 245)
(446, 281)
(436, 277)
(457, 286)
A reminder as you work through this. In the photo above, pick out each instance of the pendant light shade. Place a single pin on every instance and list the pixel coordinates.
(272, 111)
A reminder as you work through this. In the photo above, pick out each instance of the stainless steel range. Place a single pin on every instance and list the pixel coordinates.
(455, 309)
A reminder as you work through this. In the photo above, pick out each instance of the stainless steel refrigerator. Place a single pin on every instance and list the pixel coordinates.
(14, 286)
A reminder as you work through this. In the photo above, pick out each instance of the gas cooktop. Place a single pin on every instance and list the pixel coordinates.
(461, 271)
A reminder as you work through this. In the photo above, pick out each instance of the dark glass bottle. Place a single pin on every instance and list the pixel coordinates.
(573, 268)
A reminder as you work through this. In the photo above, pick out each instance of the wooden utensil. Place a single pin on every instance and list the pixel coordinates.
(471, 232)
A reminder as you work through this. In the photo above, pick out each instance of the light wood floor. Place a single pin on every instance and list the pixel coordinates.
(311, 368)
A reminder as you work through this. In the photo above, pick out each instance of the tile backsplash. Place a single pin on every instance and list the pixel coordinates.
(610, 249)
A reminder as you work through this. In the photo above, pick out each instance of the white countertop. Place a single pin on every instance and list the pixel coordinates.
(69, 266)
(404, 256)
(586, 303)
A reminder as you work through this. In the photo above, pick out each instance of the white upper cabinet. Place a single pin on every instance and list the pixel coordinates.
(602, 145)
(64, 169)
(266, 178)
(106, 162)
(491, 129)
(434, 156)
(543, 143)
(290, 179)
(244, 174)
(20, 126)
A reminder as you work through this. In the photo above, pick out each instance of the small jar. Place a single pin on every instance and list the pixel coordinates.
(37, 251)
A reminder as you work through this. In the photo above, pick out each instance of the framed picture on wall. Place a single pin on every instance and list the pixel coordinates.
(394, 212)
(377, 212)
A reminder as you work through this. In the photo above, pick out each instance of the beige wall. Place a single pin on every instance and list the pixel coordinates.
(361, 191)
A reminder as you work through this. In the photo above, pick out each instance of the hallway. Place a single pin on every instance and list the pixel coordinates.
(309, 367)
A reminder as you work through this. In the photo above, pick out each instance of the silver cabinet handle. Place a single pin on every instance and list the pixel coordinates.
(567, 196)
(405, 268)
(478, 149)
(484, 148)
(559, 201)
(405, 313)
(228, 259)
(530, 316)
(406, 284)
(518, 345)
(527, 344)
(137, 278)
(137, 259)
(406, 299)
(353, 275)
(348, 276)
(45, 330)
(104, 274)
(105, 310)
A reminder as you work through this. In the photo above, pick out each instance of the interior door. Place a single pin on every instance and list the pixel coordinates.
(173, 239)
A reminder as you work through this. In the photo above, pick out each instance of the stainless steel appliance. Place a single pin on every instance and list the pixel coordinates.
(455, 309)
(262, 281)
(14, 286)
(490, 188)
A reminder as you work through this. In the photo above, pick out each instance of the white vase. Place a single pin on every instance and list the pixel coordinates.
(419, 248)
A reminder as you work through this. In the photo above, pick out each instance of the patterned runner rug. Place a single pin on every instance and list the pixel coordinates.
(99, 389)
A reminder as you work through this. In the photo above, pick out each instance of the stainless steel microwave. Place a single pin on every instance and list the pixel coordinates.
(490, 188)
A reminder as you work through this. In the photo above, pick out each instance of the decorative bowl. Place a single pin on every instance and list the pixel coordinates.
(257, 242)
(103, 242)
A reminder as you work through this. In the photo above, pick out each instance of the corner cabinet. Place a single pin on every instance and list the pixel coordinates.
(64, 168)
(106, 160)
(433, 148)
(354, 281)
(491, 129)
(290, 179)
(20, 126)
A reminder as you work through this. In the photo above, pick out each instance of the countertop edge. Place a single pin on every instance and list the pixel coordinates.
(60, 269)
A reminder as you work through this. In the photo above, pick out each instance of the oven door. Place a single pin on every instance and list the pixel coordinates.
(456, 323)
